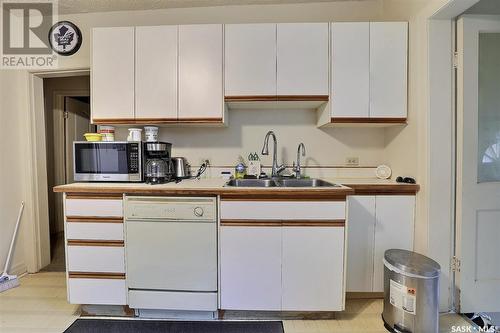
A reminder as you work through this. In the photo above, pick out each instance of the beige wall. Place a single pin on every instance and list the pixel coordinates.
(13, 131)
(397, 146)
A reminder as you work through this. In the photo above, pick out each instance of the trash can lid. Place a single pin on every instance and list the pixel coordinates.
(412, 262)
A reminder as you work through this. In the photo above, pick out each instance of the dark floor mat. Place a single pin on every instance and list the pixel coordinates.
(157, 326)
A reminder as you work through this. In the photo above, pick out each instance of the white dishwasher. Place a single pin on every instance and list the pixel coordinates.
(171, 253)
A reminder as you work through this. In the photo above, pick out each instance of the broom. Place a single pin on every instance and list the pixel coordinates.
(11, 281)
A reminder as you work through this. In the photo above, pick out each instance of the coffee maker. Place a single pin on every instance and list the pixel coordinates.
(158, 168)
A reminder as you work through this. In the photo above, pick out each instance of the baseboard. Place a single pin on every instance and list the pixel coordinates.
(18, 269)
(364, 295)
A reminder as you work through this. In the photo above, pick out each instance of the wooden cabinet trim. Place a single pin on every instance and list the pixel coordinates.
(96, 275)
(94, 196)
(283, 223)
(89, 242)
(250, 223)
(283, 195)
(141, 121)
(393, 189)
(276, 98)
(360, 120)
(93, 219)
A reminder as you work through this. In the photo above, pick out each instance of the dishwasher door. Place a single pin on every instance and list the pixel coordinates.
(172, 244)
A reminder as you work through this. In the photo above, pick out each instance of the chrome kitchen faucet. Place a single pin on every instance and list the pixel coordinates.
(296, 165)
(265, 151)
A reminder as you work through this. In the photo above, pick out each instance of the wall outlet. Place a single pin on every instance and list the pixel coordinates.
(352, 161)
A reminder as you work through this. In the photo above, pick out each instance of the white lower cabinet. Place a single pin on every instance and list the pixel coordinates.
(250, 262)
(282, 255)
(313, 269)
(376, 224)
(108, 259)
(274, 268)
(393, 230)
(97, 291)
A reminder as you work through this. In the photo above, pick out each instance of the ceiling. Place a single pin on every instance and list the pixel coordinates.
(485, 7)
(87, 6)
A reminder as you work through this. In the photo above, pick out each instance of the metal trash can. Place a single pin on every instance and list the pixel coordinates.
(411, 292)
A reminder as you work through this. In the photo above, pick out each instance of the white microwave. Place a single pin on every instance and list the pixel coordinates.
(107, 161)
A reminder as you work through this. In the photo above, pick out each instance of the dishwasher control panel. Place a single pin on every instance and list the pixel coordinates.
(171, 208)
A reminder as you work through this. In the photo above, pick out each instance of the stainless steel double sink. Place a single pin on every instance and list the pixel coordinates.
(280, 182)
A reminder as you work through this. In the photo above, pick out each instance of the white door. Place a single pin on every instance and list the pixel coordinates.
(350, 88)
(112, 73)
(250, 268)
(250, 59)
(156, 72)
(478, 163)
(201, 95)
(388, 69)
(313, 269)
(360, 242)
(393, 230)
(302, 62)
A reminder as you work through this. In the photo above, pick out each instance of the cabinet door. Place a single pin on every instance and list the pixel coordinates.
(350, 88)
(313, 268)
(302, 63)
(250, 268)
(360, 233)
(388, 69)
(156, 72)
(200, 72)
(393, 230)
(250, 59)
(112, 73)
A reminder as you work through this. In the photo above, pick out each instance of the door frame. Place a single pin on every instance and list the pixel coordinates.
(60, 131)
(37, 235)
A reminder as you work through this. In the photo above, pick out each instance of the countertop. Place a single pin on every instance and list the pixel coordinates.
(215, 186)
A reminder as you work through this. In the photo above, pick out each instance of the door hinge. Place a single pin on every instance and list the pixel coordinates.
(455, 264)
(66, 114)
(455, 59)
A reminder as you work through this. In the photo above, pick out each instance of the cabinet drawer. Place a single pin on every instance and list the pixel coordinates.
(97, 291)
(112, 207)
(108, 259)
(94, 231)
(282, 210)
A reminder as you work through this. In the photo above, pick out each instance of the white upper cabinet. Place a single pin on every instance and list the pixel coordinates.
(200, 72)
(350, 88)
(368, 73)
(156, 72)
(112, 73)
(388, 69)
(302, 59)
(250, 59)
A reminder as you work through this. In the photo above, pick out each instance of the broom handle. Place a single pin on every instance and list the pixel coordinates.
(11, 248)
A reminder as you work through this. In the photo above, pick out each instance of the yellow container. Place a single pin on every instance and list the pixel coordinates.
(93, 136)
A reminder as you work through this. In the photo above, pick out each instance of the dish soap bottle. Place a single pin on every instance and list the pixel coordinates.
(240, 170)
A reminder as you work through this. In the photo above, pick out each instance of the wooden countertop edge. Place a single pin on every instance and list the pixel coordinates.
(224, 192)
(388, 189)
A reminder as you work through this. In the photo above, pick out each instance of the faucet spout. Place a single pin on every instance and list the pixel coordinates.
(265, 151)
(297, 168)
